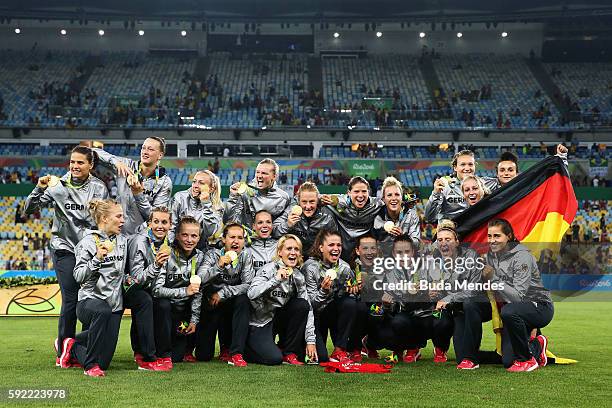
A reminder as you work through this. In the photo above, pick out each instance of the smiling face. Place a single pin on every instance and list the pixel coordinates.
(79, 166)
(234, 239)
(289, 252)
(506, 171)
(263, 225)
(160, 224)
(150, 152)
(447, 243)
(471, 191)
(188, 237)
(113, 221)
(466, 165)
(367, 250)
(308, 201)
(359, 195)
(265, 175)
(497, 239)
(392, 196)
(199, 181)
(331, 249)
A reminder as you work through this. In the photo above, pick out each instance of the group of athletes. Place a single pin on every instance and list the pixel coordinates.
(192, 268)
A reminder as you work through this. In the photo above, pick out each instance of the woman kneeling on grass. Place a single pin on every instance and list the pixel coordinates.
(332, 292)
(100, 267)
(280, 305)
(527, 304)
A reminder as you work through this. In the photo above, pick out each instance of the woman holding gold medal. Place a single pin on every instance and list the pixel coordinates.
(306, 217)
(203, 202)
(148, 253)
(70, 196)
(354, 212)
(262, 194)
(100, 270)
(177, 296)
(141, 185)
(446, 199)
(280, 305)
(394, 220)
(329, 281)
(224, 300)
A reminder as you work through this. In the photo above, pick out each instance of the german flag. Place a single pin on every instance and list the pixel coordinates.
(539, 203)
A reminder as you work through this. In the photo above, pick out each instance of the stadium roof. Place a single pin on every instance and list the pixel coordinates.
(306, 10)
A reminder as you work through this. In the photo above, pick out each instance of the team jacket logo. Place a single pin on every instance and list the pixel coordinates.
(455, 200)
(74, 206)
(113, 258)
(258, 264)
(279, 294)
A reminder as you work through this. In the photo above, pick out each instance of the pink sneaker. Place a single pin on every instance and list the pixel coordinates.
(95, 371)
(237, 361)
(292, 359)
(542, 358)
(66, 348)
(412, 356)
(439, 355)
(467, 365)
(523, 366)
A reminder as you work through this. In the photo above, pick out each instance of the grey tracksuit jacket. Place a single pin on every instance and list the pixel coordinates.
(211, 220)
(456, 274)
(173, 279)
(518, 270)
(157, 192)
(353, 222)
(268, 294)
(314, 272)
(72, 215)
(232, 280)
(242, 208)
(409, 223)
(141, 260)
(262, 251)
(450, 202)
(101, 279)
(306, 229)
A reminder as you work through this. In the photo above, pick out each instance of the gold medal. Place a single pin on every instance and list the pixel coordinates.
(297, 210)
(232, 255)
(331, 273)
(389, 225)
(53, 181)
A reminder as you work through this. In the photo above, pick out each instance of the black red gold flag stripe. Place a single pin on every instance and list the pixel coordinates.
(539, 203)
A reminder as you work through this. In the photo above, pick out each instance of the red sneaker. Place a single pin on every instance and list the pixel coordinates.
(366, 352)
(340, 356)
(151, 366)
(292, 359)
(542, 358)
(66, 348)
(165, 363)
(189, 358)
(224, 354)
(467, 365)
(523, 366)
(237, 361)
(355, 356)
(138, 358)
(95, 371)
(412, 356)
(439, 355)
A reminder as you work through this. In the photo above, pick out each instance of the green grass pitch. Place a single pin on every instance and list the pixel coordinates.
(580, 330)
